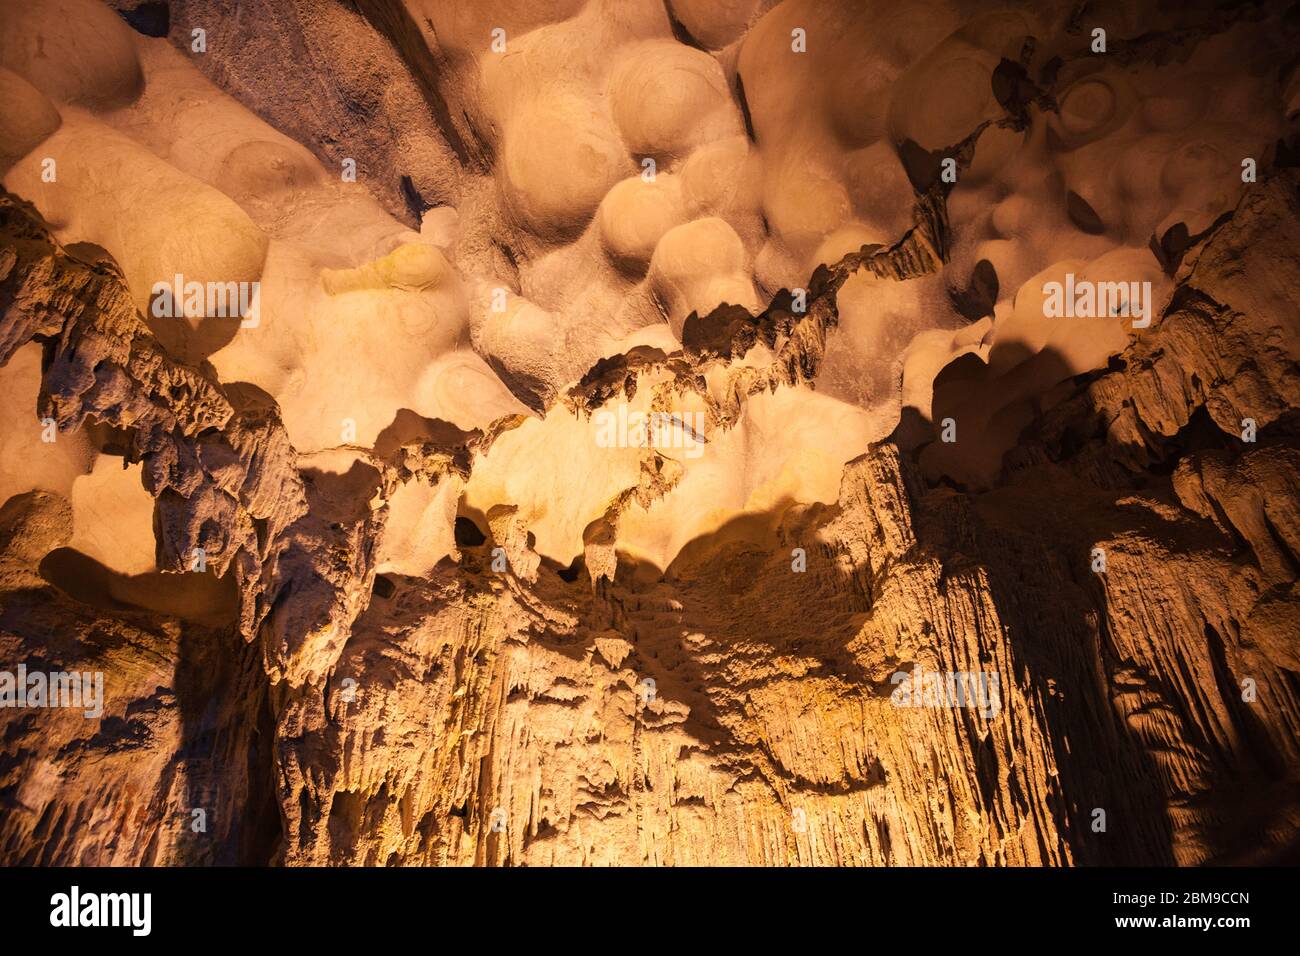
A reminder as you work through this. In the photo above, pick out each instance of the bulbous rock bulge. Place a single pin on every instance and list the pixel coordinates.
(654, 433)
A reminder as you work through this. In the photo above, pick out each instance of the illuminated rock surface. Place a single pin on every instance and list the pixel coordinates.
(633, 392)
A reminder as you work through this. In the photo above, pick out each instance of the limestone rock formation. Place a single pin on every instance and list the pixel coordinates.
(649, 433)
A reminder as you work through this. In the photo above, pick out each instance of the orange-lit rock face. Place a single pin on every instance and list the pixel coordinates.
(648, 433)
